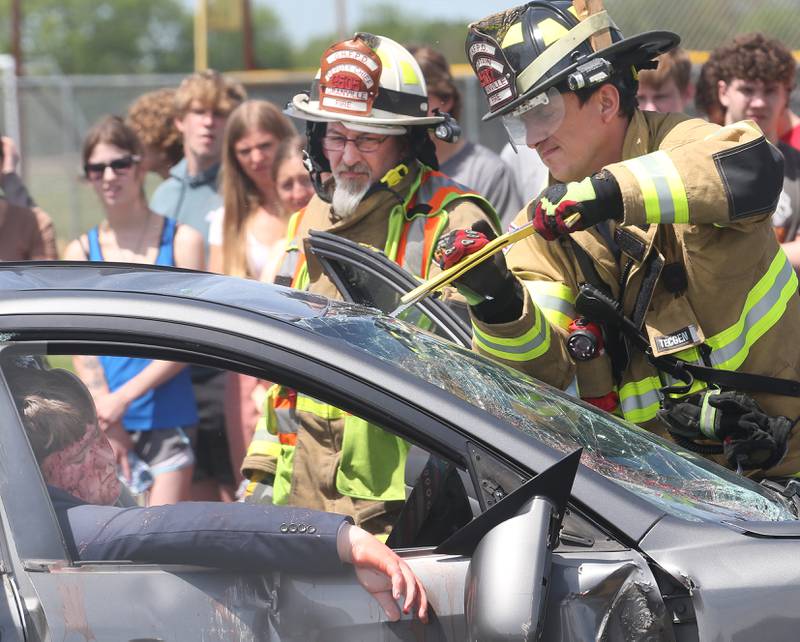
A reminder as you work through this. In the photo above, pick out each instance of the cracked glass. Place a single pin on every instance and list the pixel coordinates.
(678, 481)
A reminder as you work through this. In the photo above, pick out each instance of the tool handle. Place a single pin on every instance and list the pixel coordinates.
(451, 274)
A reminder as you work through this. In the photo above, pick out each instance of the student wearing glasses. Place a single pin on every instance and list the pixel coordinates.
(145, 407)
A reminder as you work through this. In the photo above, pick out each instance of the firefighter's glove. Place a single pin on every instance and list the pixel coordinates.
(564, 208)
(491, 290)
(748, 437)
(752, 439)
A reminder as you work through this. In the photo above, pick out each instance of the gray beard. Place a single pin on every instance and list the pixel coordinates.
(347, 197)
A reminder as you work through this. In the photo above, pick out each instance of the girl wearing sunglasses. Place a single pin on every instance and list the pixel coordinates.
(145, 407)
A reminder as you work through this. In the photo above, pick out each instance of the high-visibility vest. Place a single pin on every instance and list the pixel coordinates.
(373, 461)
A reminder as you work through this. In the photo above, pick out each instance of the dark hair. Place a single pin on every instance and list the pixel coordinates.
(438, 79)
(288, 148)
(111, 130)
(54, 405)
(753, 56)
(626, 85)
(706, 92)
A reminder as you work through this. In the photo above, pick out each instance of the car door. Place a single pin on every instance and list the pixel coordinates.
(111, 600)
(364, 275)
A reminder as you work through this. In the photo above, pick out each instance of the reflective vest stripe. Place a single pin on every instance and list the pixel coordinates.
(640, 400)
(318, 408)
(433, 229)
(293, 258)
(662, 188)
(534, 343)
(763, 308)
(555, 300)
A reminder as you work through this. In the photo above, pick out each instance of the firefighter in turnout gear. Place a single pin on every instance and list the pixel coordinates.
(373, 165)
(654, 287)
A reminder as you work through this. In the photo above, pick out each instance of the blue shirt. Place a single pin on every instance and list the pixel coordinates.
(169, 405)
(188, 199)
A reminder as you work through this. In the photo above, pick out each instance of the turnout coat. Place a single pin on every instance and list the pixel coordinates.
(325, 458)
(695, 265)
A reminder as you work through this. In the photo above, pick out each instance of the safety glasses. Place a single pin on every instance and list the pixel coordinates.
(365, 144)
(535, 119)
(95, 171)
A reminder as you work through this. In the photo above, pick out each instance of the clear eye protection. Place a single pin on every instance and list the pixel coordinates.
(535, 119)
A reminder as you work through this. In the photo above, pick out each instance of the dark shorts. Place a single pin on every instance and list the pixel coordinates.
(165, 449)
(212, 456)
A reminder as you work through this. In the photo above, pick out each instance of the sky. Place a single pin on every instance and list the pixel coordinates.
(304, 19)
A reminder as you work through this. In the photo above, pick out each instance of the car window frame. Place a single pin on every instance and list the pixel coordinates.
(442, 423)
(330, 249)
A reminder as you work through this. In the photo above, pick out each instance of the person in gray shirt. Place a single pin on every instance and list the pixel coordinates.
(202, 104)
(473, 165)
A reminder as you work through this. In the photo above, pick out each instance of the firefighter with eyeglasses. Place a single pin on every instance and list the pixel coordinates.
(653, 287)
(373, 166)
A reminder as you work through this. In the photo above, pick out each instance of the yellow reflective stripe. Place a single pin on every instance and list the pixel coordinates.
(264, 447)
(763, 308)
(662, 188)
(534, 343)
(555, 300)
(640, 400)
(301, 282)
(291, 229)
(318, 408)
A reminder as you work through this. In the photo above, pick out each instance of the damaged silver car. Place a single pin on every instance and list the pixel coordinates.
(529, 515)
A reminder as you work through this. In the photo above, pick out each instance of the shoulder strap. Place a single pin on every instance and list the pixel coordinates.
(94, 253)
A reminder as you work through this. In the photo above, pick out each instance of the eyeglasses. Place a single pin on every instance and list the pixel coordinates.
(366, 144)
(95, 171)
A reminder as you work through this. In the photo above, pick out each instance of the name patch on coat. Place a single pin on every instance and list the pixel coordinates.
(686, 337)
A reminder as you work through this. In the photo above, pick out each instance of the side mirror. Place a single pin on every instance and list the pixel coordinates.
(509, 575)
(511, 545)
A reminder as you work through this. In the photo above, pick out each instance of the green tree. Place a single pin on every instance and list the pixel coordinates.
(387, 20)
(119, 36)
(272, 47)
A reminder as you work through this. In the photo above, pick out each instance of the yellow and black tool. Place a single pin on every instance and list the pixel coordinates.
(446, 277)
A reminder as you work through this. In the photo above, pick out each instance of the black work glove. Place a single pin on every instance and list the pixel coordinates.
(564, 208)
(492, 291)
(756, 440)
(749, 438)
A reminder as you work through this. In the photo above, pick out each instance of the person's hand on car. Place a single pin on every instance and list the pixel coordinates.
(382, 573)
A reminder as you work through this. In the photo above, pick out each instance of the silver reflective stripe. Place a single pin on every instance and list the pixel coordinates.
(485, 341)
(415, 242)
(721, 355)
(640, 402)
(651, 167)
(286, 419)
(553, 303)
(288, 265)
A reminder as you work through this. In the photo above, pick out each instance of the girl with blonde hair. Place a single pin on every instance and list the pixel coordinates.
(246, 236)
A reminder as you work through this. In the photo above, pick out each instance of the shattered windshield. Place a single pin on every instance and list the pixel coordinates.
(678, 481)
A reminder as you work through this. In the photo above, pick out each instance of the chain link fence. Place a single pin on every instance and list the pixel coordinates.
(55, 112)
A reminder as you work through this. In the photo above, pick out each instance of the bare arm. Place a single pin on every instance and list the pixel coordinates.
(75, 252)
(111, 407)
(190, 250)
(215, 259)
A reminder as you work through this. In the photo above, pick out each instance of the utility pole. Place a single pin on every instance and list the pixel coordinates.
(201, 36)
(16, 35)
(247, 36)
(341, 19)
